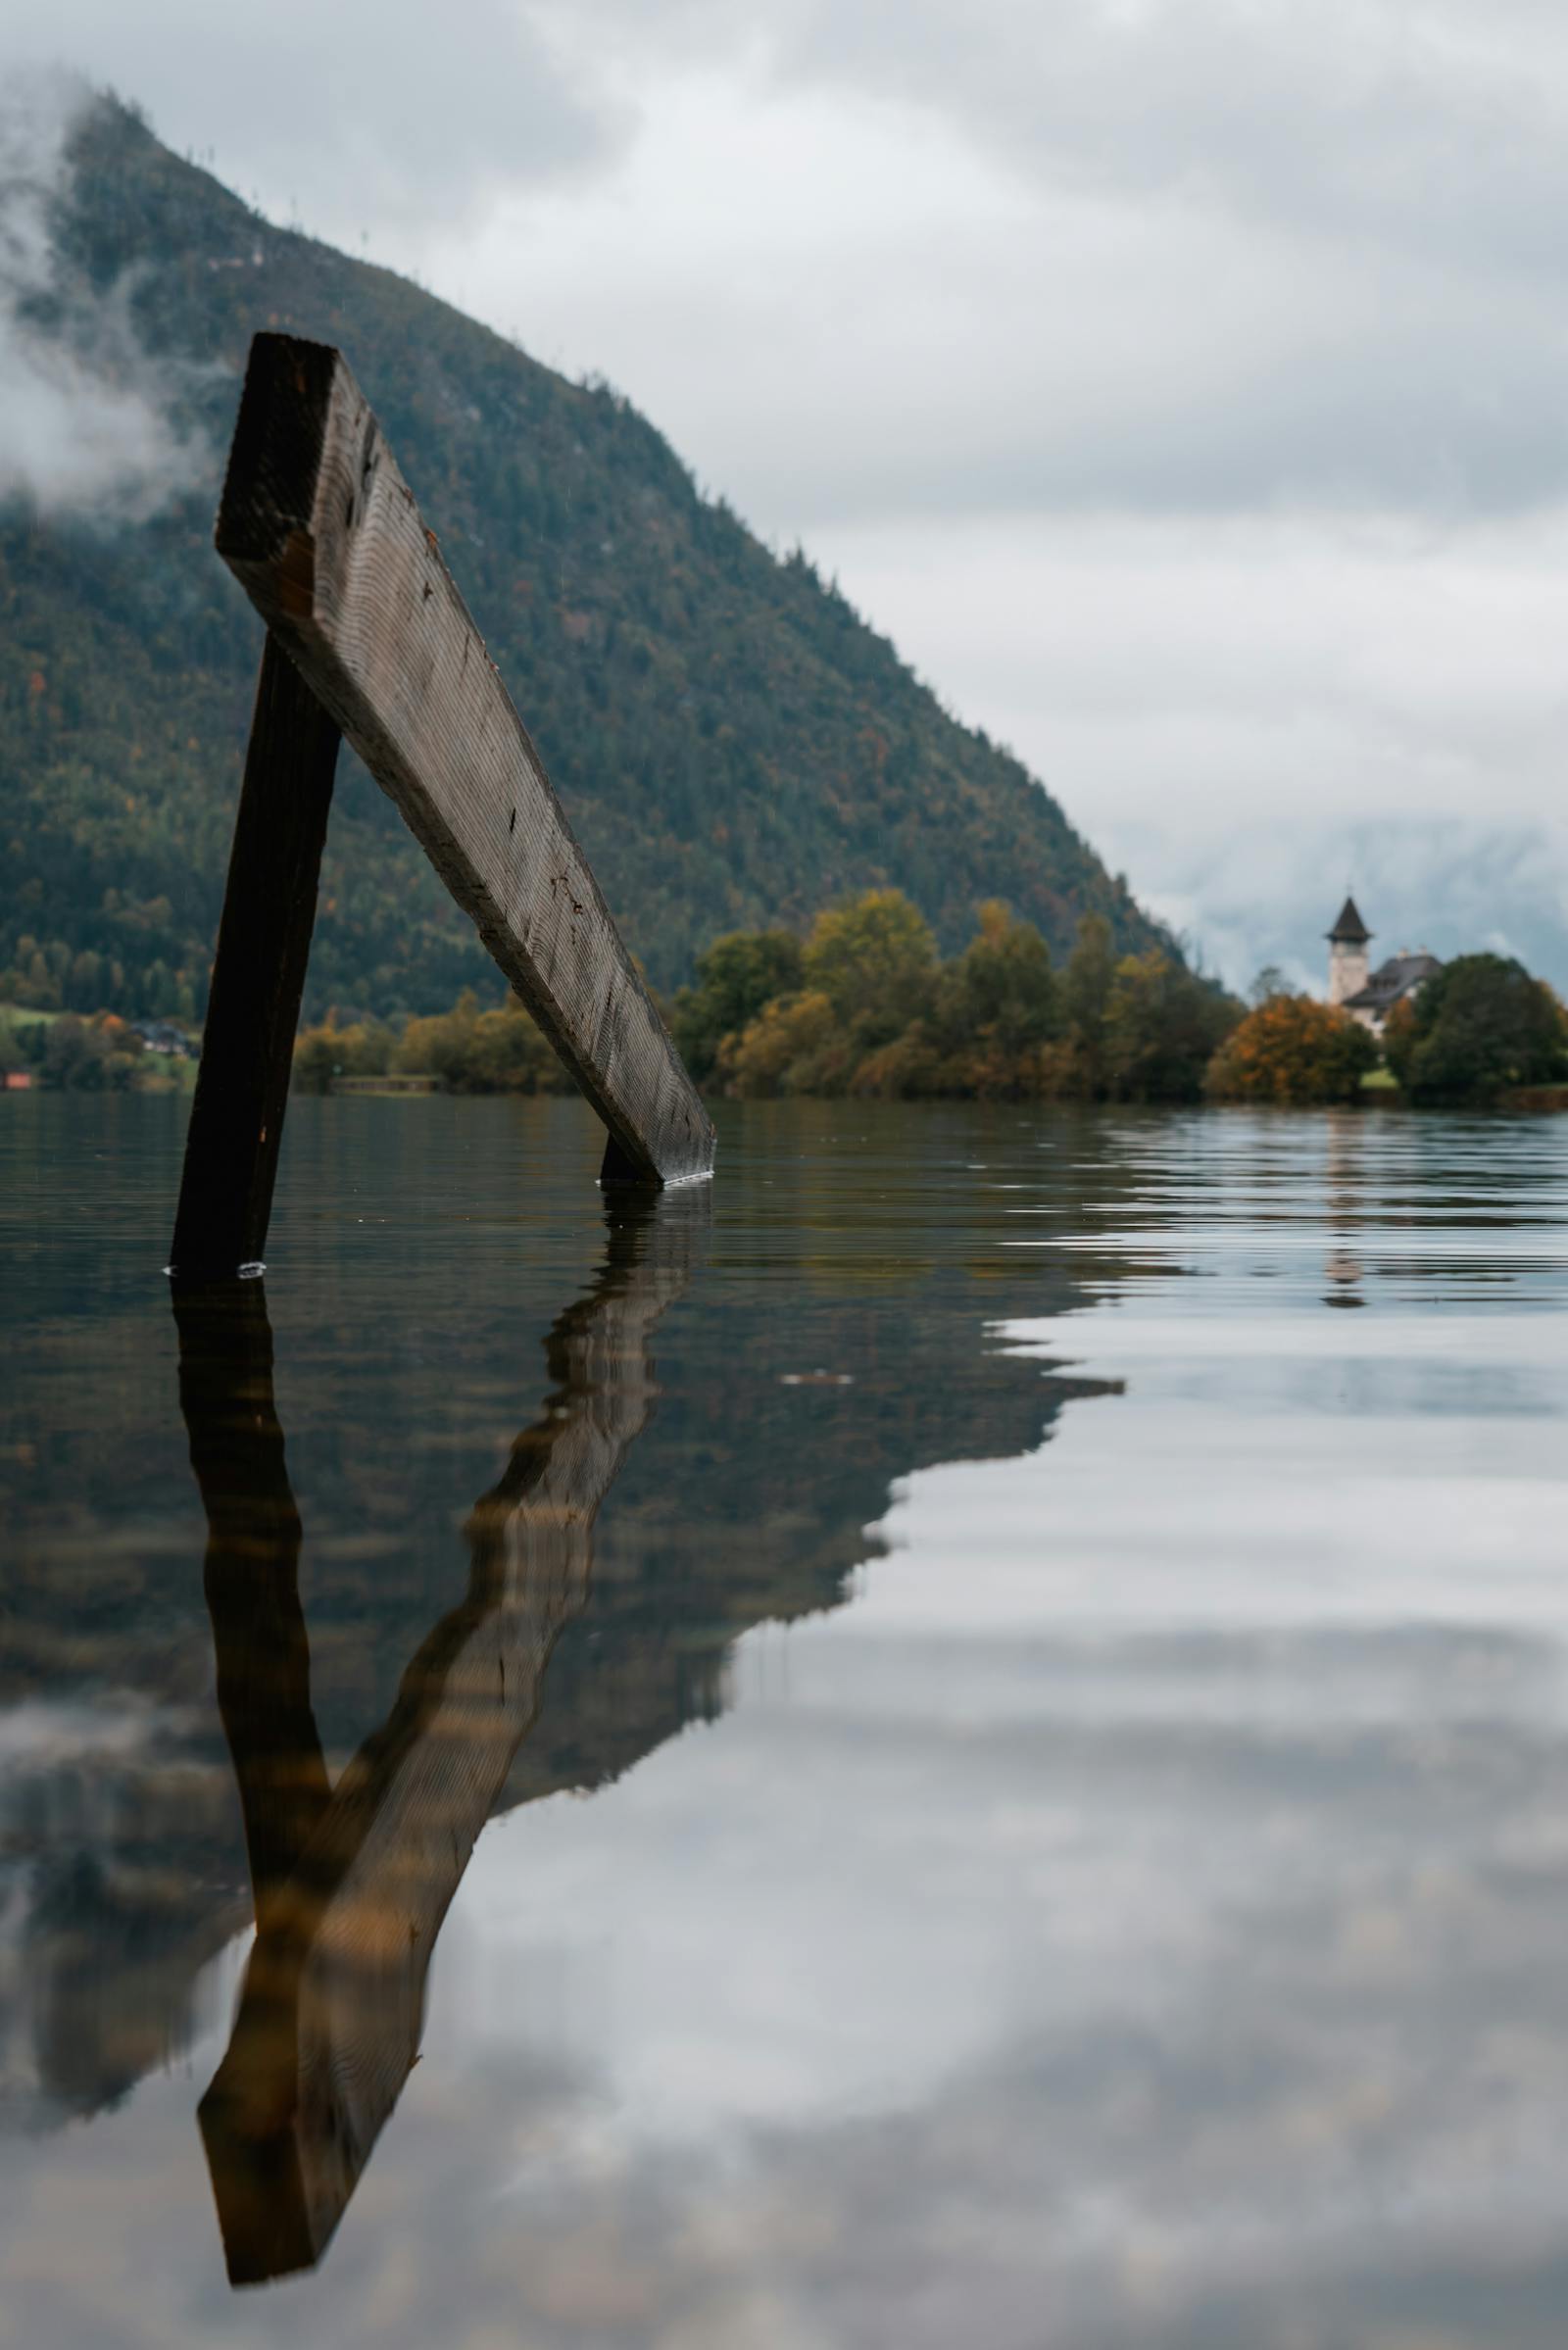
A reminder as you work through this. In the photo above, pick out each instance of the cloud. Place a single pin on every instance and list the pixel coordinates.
(1440, 130)
(382, 119)
(865, 261)
(1245, 713)
(1133, 257)
(1363, 117)
(1266, 895)
(88, 428)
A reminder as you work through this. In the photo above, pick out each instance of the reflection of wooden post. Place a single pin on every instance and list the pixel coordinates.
(332, 2007)
(237, 1120)
(321, 530)
(252, 1572)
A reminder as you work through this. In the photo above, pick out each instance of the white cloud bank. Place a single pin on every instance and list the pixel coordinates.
(1249, 714)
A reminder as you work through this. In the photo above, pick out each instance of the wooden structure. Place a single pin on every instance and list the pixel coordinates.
(351, 1882)
(368, 638)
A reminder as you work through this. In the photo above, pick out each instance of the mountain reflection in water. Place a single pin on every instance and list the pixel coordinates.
(540, 1678)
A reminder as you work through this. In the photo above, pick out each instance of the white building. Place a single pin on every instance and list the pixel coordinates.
(1370, 995)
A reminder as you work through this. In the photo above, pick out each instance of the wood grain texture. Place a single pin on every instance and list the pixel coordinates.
(332, 2007)
(264, 943)
(322, 531)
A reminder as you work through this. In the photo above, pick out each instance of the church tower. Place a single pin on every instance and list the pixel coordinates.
(1347, 957)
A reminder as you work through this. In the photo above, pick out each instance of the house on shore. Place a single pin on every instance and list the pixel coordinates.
(1370, 995)
(163, 1036)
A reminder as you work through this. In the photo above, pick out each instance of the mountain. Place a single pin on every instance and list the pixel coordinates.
(734, 744)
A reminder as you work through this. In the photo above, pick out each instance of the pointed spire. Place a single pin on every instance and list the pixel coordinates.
(1349, 930)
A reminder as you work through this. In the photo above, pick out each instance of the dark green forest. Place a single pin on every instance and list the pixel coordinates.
(735, 747)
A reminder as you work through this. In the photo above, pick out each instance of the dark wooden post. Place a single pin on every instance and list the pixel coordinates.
(237, 1120)
(321, 530)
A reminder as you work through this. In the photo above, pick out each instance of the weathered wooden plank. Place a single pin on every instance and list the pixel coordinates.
(264, 940)
(320, 526)
(332, 2008)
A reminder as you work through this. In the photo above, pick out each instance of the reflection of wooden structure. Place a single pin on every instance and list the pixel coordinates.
(368, 637)
(352, 1882)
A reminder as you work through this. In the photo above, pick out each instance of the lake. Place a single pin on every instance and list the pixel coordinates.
(964, 1737)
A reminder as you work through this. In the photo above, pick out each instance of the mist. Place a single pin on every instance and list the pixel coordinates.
(90, 416)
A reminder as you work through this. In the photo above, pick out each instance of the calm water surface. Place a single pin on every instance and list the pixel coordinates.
(966, 1741)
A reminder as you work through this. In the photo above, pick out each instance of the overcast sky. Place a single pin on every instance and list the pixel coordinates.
(1182, 383)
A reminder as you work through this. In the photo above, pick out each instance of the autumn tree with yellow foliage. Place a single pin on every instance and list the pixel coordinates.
(875, 1012)
(1295, 1052)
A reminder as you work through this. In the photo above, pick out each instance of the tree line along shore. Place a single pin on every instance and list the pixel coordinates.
(865, 1005)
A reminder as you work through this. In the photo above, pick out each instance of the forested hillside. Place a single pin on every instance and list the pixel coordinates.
(734, 746)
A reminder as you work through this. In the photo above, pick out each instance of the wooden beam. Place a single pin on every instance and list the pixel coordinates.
(321, 530)
(352, 1887)
(264, 940)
